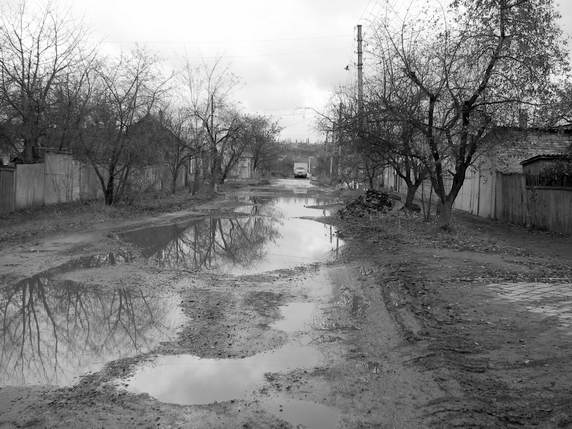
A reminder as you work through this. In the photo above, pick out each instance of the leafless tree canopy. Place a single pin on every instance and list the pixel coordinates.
(119, 113)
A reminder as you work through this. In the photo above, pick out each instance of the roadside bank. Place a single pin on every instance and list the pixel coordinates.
(487, 310)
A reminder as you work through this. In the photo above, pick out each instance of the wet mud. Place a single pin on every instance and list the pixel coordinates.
(263, 309)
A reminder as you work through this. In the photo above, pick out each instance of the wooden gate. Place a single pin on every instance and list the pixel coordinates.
(7, 189)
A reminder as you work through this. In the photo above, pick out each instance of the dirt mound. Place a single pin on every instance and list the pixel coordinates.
(371, 202)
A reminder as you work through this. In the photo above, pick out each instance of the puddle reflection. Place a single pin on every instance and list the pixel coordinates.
(56, 330)
(297, 316)
(187, 379)
(264, 237)
(303, 413)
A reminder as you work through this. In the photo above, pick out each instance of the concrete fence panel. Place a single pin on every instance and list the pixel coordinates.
(29, 185)
(76, 171)
(89, 184)
(59, 178)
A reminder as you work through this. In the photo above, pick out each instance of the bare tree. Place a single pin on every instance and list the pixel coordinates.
(392, 106)
(38, 49)
(262, 137)
(475, 63)
(357, 156)
(124, 90)
(209, 88)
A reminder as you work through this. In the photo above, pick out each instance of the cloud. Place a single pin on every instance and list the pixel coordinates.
(288, 54)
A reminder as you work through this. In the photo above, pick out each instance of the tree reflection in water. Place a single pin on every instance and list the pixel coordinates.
(55, 330)
(267, 235)
(209, 243)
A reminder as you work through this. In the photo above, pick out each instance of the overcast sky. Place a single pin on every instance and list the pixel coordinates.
(290, 55)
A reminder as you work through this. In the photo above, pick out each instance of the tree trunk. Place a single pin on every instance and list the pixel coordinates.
(196, 178)
(28, 154)
(371, 181)
(218, 178)
(222, 177)
(108, 196)
(445, 214)
(410, 196)
(109, 191)
(174, 182)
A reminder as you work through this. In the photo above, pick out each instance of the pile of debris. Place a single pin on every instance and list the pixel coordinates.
(371, 202)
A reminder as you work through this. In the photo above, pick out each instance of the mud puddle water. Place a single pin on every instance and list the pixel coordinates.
(266, 236)
(190, 380)
(297, 316)
(303, 413)
(548, 299)
(53, 330)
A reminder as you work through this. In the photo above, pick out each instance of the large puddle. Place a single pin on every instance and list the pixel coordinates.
(53, 331)
(187, 379)
(266, 236)
(190, 380)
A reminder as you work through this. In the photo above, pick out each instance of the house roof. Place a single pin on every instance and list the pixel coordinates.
(547, 157)
(151, 126)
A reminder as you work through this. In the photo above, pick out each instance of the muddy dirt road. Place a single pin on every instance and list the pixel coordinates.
(261, 309)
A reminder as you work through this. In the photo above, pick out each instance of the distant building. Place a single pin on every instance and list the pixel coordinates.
(243, 168)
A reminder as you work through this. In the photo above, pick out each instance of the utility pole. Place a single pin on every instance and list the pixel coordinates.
(213, 150)
(360, 78)
(331, 151)
(339, 144)
(212, 115)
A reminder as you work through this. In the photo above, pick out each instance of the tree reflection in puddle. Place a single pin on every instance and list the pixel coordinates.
(53, 331)
(262, 237)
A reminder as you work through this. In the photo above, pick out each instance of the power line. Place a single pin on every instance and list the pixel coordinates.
(225, 42)
(367, 7)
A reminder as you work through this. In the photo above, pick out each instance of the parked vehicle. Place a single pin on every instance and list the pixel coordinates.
(300, 169)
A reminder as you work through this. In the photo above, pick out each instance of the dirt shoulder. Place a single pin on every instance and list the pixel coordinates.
(487, 311)
(32, 224)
